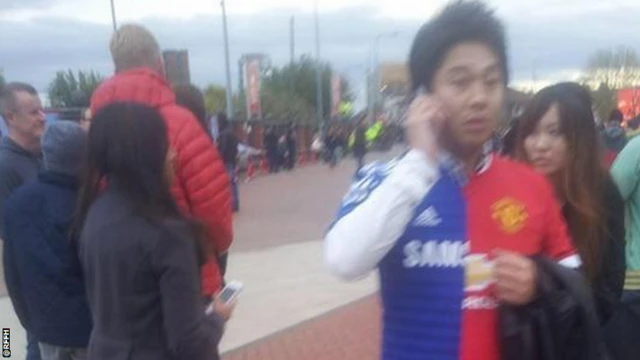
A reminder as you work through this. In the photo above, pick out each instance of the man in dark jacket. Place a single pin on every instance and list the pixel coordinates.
(20, 152)
(228, 148)
(271, 146)
(360, 144)
(20, 149)
(292, 147)
(42, 269)
(613, 133)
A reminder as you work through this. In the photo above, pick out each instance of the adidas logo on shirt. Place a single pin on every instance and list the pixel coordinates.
(428, 218)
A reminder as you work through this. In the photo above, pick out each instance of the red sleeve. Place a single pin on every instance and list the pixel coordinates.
(204, 180)
(557, 241)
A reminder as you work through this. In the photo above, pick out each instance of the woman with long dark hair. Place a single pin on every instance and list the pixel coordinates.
(139, 254)
(557, 135)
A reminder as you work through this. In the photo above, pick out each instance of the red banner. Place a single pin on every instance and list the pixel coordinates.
(336, 95)
(254, 108)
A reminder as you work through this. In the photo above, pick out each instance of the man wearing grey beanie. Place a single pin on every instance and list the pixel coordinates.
(42, 269)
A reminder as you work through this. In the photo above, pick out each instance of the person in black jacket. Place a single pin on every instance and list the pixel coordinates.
(292, 147)
(271, 147)
(228, 148)
(557, 135)
(20, 152)
(614, 136)
(42, 269)
(360, 143)
(139, 254)
(332, 141)
(191, 98)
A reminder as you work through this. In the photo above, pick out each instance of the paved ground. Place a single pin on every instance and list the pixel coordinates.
(278, 255)
(351, 332)
(285, 285)
(290, 206)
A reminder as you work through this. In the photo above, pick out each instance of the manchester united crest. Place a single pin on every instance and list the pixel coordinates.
(510, 214)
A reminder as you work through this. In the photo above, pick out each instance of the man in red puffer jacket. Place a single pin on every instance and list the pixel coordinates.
(202, 186)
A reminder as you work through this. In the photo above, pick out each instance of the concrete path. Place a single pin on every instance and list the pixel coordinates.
(284, 286)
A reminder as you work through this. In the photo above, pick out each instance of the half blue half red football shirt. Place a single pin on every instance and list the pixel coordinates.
(436, 282)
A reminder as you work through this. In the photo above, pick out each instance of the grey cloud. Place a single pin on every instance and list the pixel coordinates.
(34, 51)
(23, 4)
(565, 43)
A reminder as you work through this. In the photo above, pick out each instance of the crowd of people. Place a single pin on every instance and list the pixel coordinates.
(281, 148)
(341, 140)
(116, 229)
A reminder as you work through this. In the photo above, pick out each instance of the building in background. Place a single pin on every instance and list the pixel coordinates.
(176, 65)
(393, 91)
(394, 79)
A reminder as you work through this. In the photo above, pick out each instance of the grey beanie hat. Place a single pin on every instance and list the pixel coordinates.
(63, 147)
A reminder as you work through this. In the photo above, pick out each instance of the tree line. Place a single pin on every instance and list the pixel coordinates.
(289, 92)
(606, 72)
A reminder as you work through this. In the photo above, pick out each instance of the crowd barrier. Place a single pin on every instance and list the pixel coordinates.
(258, 165)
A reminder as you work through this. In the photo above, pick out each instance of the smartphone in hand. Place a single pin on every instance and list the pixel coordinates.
(223, 304)
(230, 291)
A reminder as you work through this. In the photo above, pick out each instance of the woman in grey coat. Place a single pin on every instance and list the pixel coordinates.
(140, 256)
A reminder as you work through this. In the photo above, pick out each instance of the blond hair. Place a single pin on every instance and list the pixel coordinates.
(134, 46)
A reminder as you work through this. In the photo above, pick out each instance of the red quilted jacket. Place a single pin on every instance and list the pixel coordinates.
(202, 187)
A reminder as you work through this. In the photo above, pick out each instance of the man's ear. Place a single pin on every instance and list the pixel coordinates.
(10, 118)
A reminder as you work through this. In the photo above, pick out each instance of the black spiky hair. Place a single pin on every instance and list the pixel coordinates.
(459, 22)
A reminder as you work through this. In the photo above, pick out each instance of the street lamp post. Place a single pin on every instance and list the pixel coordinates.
(113, 16)
(319, 102)
(375, 73)
(229, 90)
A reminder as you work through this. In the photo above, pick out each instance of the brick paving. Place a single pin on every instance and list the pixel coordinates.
(351, 332)
(290, 207)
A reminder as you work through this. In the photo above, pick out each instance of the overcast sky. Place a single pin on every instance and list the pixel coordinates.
(554, 37)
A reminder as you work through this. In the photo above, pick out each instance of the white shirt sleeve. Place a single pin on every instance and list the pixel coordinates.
(377, 216)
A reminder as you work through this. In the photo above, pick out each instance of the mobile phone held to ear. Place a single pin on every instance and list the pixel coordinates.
(230, 291)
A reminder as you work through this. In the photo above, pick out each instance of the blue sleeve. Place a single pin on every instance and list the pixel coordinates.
(364, 183)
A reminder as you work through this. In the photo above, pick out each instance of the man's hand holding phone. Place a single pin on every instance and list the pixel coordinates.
(424, 122)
